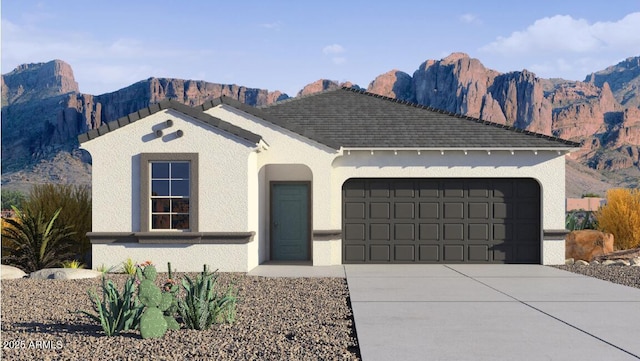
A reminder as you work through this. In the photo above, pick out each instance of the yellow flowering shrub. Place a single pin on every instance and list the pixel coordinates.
(620, 216)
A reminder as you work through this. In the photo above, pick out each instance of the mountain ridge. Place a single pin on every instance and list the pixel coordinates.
(43, 111)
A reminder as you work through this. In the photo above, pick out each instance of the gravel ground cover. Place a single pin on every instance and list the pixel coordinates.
(277, 319)
(623, 275)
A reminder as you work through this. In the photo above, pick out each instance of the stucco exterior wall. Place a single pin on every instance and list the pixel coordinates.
(183, 258)
(223, 172)
(235, 176)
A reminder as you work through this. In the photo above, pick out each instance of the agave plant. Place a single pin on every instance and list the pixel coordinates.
(33, 243)
(116, 312)
(203, 305)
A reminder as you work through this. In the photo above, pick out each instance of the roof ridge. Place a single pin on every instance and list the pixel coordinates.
(293, 99)
(460, 116)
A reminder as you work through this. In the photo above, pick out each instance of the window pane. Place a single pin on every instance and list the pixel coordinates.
(180, 221)
(160, 221)
(180, 206)
(159, 170)
(160, 188)
(160, 205)
(180, 170)
(180, 188)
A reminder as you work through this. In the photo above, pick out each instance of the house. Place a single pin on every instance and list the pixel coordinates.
(342, 176)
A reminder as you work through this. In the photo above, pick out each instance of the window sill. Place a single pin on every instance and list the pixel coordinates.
(157, 237)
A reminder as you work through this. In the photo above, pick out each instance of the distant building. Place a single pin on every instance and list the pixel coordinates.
(584, 204)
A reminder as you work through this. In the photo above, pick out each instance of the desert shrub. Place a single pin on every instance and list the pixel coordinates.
(578, 220)
(12, 198)
(75, 202)
(620, 216)
(203, 304)
(35, 242)
(115, 311)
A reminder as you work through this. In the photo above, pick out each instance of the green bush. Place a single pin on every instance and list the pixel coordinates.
(75, 202)
(203, 305)
(34, 243)
(578, 220)
(12, 199)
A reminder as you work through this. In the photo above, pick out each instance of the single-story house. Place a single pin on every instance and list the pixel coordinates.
(341, 176)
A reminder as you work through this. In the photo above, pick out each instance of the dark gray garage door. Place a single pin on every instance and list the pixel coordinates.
(441, 221)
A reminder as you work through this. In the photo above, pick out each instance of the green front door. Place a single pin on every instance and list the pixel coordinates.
(290, 221)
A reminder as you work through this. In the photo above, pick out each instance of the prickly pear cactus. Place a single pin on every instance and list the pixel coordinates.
(152, 323)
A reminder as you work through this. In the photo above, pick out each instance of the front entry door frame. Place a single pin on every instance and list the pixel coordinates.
(272, 186)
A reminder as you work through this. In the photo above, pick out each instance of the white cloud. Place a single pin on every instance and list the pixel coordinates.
(333, 49)
(470, 19)
(563, 46)
(563, 33)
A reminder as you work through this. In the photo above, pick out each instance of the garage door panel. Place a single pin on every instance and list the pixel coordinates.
(478, 232)
(379, 189)
(404, 210)
(453, 210)
(355, 253)
(404, 253)
(354, 210)
(478, 210)
(453, 253)
(379, 210)
(429, 189)
(354, 232)
(429, 210)
(429, 253)
(380, 252)
(478, 252)
(429, 232)
(379, 231)
(441, 220)
(404, 189)
(404, 232)
(453, 232)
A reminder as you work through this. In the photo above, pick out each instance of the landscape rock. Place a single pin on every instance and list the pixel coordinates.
(587, 244)
(64, 273)
(10, 272)
(569, 261)
(635, 261)
(581, 263)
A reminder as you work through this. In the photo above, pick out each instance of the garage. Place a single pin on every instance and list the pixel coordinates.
(441, 220)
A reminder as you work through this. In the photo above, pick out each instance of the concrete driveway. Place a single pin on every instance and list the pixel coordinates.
(491, 312)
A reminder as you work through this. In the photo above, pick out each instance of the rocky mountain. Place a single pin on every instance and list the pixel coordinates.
(43, 111)
(602, 112)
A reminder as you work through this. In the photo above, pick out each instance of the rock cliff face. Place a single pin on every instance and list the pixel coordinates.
(43, 111)
(30, 82)
(393, 84)
(624, 80)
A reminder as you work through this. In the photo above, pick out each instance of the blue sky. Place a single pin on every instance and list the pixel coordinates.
(284, 45)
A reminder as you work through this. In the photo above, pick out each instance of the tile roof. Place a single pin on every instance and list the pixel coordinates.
(357, 119)
(170, 104)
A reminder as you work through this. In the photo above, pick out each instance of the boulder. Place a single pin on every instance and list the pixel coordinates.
(10, 272)
(587, 244)
(64, 273)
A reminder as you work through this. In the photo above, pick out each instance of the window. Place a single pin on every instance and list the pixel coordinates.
(170, 195)
(169, 192)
